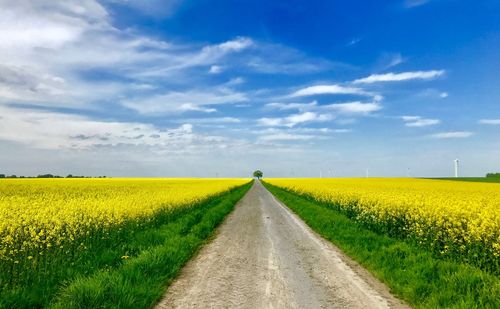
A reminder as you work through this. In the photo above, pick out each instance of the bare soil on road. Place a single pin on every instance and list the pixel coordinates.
(264, 256)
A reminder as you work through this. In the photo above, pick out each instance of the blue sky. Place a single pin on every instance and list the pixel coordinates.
(206, 88)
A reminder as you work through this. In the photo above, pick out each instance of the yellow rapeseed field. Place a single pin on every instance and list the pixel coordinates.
(459, 219)
(57, 217)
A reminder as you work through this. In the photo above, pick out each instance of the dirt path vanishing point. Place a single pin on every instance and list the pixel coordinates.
(264, 256)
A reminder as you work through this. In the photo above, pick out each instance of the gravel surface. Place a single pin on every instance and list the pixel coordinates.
(264, 256)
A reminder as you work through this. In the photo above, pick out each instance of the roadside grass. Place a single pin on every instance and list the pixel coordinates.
(136, 272)
(412, 273)
(471, 179)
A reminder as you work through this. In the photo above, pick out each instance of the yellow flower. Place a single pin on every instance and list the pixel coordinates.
(51, 217)
(448, 216)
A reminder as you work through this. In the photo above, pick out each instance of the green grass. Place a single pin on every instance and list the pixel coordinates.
(414, 274)
(472, 179)
(156, 254)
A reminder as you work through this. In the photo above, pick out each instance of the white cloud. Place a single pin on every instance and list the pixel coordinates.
(49, 130)
(423, 123)
(143, 86)
(286, 137)
(191, 100)
(329, 89)
(313, 130)
(353, 41)
(235, 81)
(48, 47)
(395, 60)
(410, 118)
(180, 58)
(27, 24)
(215, 69)
(186, 107)
(36, 37)
(490, 121)
(433, 93)
(61, 54)
(308, 116)
(294, 134)
(295, 119)
(290, 106)
(270, 121)
(455, 134)
(389, 60)
(342, 130)
(417, 121)
(392, 77)
(57, 131)
(233, 45)
(354, 107)
(271, 58)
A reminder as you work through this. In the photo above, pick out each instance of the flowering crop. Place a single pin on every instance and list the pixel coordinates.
(456, 219)
(44, 222)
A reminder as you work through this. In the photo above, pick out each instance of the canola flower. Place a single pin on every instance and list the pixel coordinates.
(456, 219)
(43, 220)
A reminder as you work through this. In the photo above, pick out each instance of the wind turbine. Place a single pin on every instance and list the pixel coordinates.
(456, 168)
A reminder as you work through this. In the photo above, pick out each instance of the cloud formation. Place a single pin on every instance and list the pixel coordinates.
(490, 121)
(286, 137)
(417, 121)
(329, 89)
(69, 54)
(389, 60)
(294, 119)
(354, 107)
(57, 131)
(292, 106)
(189, 100)
(396, 77)
(453, 134)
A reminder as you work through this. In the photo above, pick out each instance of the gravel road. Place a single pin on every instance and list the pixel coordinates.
(264, 256)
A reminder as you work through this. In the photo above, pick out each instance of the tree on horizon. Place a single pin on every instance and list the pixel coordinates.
(258, 174)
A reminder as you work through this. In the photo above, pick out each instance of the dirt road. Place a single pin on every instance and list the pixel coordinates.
(264, 256)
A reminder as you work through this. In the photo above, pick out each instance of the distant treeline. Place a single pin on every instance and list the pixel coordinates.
(48, 176)
(493, 175)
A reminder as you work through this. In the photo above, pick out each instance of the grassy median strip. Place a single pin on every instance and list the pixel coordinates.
(412, 273)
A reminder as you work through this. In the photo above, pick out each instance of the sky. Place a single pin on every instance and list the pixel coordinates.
(212, 88)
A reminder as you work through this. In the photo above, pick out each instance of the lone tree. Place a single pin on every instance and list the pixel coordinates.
(258, 174)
